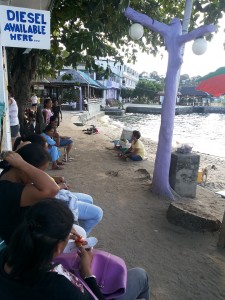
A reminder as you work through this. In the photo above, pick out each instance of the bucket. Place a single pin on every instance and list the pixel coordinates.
(200, 177)
(126, 134)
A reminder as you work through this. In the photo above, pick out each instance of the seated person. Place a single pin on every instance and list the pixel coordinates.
(53, 144)
(65, 141)
(39, 139)
(26, 265)
(136, 152)
(87, 214)
(22, 183)
(26, 268)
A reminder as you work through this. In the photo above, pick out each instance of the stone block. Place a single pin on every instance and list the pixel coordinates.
(191, 217)
(183, 173)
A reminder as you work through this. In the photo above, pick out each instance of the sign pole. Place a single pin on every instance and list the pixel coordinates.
(6, 143)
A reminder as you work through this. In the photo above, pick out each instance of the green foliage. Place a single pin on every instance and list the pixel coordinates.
(146, 91)
(84, 30)
(67, 77)
(70, 95)
(126, 93)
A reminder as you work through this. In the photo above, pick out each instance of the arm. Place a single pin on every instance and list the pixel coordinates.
(132, 152)
(86, 273)
(44, 113)
(43, 186)
(60, 111)
(59, 179)
(57, 139)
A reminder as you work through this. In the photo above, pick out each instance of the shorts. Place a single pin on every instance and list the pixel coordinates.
(15, 130)
(34, 104)
(65, 142)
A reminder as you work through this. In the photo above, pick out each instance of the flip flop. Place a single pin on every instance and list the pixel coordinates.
(61, 163)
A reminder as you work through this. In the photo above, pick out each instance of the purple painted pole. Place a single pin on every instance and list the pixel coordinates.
(174, 42)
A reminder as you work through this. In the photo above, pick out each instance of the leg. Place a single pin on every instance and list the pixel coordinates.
(53, 151)
(14, 133)
(68, 148)
(84, 198)
(89, 215)
(67, 143)
(137, 285)
(135, 157)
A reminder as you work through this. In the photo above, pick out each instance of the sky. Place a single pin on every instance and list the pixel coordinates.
(193, 65)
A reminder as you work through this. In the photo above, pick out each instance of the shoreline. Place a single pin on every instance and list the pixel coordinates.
(215, 180)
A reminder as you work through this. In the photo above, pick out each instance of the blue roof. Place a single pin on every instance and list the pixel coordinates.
(78, 76)
(91, 81)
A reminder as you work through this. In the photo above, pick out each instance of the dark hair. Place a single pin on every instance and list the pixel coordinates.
(54, 100)
(10, 90)
(136, 134)
(33, 138)
(48, 128)
(34, 154)
(36, 138)
(32, 245)
(46, 101)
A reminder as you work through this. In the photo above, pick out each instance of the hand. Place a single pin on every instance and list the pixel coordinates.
(13, 158)
(56, 135)
(59, 179)
(85, 262)
(63, 186)
(79, 240)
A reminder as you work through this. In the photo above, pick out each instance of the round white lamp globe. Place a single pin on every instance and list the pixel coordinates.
(199, 46)
(136, 31)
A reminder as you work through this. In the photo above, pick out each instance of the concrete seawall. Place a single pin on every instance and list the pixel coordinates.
(179, 110)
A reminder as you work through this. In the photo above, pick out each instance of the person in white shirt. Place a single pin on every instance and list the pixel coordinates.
(13, 116)
(34, 101)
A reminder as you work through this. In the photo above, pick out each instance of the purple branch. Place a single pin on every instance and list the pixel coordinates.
(196, 33)
(146, 21)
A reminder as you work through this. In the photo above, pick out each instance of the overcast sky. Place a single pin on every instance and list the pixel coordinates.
(193, 65)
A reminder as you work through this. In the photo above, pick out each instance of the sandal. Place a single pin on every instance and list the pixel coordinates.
(61, 163)
(70, 158)
(66, 159)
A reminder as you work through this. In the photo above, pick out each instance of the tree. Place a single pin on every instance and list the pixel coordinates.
(83, 30)
(184, 80)
(174, 41)
(126, 93)
(146, 90)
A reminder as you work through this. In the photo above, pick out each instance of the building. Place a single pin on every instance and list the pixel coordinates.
(115, 76)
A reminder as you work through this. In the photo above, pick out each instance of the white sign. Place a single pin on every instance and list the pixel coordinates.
(39, 87)
(24, 27)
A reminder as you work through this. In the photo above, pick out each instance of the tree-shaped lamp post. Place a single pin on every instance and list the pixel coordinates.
(174, 42)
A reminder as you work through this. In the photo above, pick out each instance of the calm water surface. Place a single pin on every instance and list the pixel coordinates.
(206, 132)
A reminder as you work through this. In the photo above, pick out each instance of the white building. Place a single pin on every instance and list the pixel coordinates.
(119, 76)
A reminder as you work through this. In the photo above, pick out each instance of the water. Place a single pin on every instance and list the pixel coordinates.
(204, 131)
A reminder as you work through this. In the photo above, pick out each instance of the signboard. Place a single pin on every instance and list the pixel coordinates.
(38, 87)
(24, 27)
